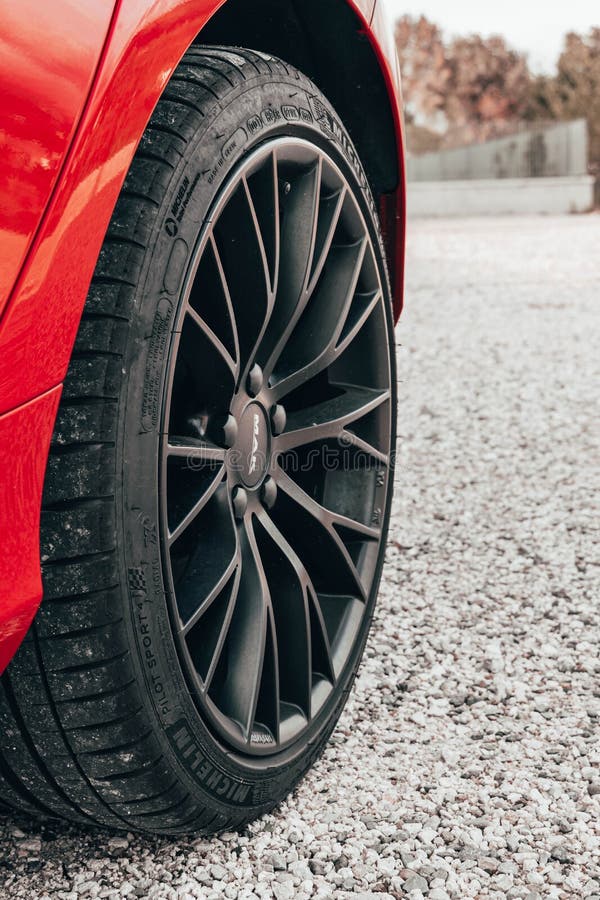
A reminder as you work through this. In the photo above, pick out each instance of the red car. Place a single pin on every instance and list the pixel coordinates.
(201, 261)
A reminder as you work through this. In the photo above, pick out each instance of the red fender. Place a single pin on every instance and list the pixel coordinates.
(145, 42)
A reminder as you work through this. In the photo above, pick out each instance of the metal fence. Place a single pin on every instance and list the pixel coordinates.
(534, 151)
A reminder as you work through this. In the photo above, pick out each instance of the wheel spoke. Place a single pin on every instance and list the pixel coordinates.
(259, 239)
(268, 709)
(312, 346)
(224, 630)
(320, 250)
(320, 635)
(242, 254)
(349, 439)
(197, 566)
(327, 517)
(197, 508)
(304, 270)
(214, 340)
(264, 208)
(270, 273)
(226, 295)
(195, 451)
(246, 640)
(294, 637)
(353, 326)
(297, 243)
(325, 522)
(234, 567)
(289, 553)
(330, 418)
(276, 224)
(350, 325)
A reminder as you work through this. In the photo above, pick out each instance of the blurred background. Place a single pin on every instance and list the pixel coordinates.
(502, 105)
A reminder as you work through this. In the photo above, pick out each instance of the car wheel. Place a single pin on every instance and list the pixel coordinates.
(219, 482)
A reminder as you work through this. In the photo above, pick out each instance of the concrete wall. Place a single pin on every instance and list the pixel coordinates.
(501, 196)
(542, 151)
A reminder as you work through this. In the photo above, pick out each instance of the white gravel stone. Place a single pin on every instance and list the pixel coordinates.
(467, 761)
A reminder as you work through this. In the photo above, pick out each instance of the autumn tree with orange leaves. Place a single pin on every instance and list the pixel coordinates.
(469, 85)
(472, 88)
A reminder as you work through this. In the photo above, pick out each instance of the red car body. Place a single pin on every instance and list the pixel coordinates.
(79, 80)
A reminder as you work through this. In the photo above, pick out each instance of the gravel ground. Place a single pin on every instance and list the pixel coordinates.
(467, 763)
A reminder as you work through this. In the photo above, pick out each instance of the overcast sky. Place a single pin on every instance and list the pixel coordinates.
(533, 27)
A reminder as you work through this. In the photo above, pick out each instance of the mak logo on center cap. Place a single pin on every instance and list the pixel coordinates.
(255, 436)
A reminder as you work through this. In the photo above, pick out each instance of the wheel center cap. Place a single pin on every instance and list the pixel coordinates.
(253, 445)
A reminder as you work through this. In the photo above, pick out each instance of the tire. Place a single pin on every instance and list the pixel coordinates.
(183, 677)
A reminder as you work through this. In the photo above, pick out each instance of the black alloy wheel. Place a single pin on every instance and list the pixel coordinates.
(276, 447)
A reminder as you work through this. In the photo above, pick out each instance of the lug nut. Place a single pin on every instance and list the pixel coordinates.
(255, 381)
(278, 419)
(230, 431)
(240, 503)
(268, 494)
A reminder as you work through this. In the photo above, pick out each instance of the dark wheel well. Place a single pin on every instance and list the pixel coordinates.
(324, 39)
